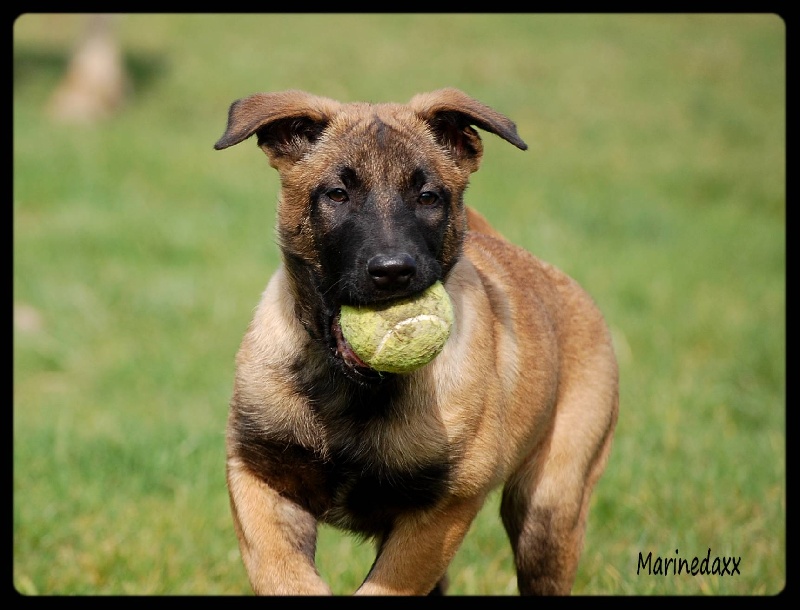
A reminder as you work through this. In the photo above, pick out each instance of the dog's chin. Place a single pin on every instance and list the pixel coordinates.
(348, 361)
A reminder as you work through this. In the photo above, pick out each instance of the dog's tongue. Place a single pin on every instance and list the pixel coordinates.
(343, 347)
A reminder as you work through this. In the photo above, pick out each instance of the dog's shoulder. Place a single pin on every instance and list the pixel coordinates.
(476, 222)
(518, 280)
(501, 261)
(274, 322)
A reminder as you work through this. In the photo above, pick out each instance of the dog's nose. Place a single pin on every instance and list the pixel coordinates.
(392, 272)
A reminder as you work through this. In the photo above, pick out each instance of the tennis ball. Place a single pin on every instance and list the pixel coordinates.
(400, 336)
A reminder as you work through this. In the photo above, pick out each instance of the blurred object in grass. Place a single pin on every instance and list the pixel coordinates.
(95, 84)
(26, 318)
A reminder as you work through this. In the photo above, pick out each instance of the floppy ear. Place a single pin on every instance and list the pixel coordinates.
(450, 113)
(287, 123)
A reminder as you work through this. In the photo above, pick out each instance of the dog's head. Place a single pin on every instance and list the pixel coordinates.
(371, 204)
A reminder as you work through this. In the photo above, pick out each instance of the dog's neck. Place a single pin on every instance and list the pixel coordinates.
(311, 308)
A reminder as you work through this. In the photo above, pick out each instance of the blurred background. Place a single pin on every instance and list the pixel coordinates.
(656, 176)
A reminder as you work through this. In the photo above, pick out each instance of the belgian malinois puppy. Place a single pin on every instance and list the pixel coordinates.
(524, 393)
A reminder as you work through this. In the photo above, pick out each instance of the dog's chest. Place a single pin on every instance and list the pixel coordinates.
(366, 496)
(375, 471)
(380, 455)
(353, 457)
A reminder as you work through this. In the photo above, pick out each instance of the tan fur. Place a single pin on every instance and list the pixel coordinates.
(523, 395)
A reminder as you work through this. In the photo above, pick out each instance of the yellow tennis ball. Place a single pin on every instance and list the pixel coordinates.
(400, 336)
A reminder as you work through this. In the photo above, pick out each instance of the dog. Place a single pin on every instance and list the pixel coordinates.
(524, 394)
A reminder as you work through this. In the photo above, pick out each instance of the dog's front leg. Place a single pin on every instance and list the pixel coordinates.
(277, 537)
(414, 556)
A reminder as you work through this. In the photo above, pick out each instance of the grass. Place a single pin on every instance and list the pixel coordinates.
(655, 176)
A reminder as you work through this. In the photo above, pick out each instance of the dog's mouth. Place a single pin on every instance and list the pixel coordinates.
(355, 368)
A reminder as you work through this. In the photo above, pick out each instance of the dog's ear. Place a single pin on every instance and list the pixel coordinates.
(451, 114)
(287, 123)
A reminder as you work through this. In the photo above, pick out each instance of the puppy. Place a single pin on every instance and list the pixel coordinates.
(524, 394)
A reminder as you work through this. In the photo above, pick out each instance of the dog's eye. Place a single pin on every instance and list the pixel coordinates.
(337, 195)
(428, 198)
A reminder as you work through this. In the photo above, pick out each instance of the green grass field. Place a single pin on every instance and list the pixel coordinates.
(655, 176)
